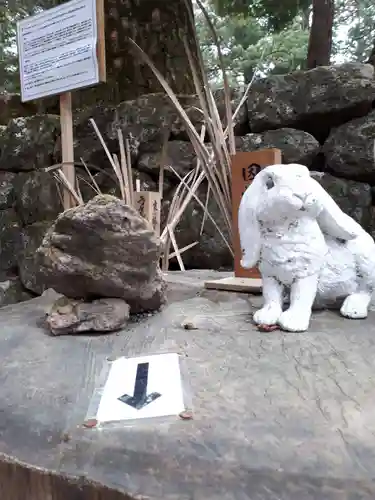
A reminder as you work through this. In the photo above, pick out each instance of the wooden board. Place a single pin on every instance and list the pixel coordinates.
(245, 166)
(148, 205)
(233, 284)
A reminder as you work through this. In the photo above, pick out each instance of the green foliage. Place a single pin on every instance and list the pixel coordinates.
(247, 45)
(277, 13)
(357, 40)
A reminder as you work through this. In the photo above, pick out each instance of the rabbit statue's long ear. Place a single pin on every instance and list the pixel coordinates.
(248, 225)
(331, 219)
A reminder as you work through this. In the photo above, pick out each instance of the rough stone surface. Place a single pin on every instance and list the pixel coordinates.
(211, 250)
(12, 291)
(7, 190)
(296, 146)
(109, 185)
(102, 249)
(143, 121)
(275, 416)
(350, 151)
(354, 198)
(197, 118)
(37, 197)
(241, 120)
(181, 156)
(12, 107)
(317, 99)
(72, 316)
(10, 241)
(28, 265)
(29, 143)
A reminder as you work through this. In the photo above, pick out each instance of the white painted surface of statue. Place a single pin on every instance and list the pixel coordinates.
(302, 242)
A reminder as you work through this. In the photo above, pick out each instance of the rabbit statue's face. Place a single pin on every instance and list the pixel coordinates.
(285, 190)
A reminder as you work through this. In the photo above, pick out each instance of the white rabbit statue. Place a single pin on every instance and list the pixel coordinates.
(304, 243)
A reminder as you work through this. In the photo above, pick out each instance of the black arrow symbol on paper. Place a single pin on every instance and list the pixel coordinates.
(140, 399)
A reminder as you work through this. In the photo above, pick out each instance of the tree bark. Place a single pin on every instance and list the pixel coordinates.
(320, 41)
(158, 27)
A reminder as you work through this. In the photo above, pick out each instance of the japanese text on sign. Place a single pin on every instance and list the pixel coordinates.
(57, 50)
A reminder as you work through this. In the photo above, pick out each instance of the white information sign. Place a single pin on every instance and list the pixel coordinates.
(143, 387)
(57, 50)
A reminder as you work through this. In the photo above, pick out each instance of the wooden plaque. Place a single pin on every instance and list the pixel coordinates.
(245, 166)
(148, 205)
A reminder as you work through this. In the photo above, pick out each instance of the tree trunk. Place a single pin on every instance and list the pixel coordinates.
(157, 26)
(320, 41)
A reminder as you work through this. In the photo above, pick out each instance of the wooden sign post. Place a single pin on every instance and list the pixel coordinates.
(60, 50)
(67, 146)
(245, 166)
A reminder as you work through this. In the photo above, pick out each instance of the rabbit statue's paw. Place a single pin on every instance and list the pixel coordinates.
(268, 315)
(293, 320)
(355, 306)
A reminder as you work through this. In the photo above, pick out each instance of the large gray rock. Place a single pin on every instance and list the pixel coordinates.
(102, 249)
(180, 155)
(10, 241)
(349, 150)
(73, 316)
(312, 100)
(143, 121)
(29, 143)
(354, 198)
(296, 146)
(37, 197)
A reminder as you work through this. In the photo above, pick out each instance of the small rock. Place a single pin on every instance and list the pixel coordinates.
(72, 316)
(186, 415)
(189, 325)
(91, 423)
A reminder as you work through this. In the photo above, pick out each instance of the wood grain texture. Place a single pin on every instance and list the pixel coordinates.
(286, 416)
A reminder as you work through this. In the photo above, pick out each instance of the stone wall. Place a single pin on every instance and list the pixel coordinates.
(323, 118)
